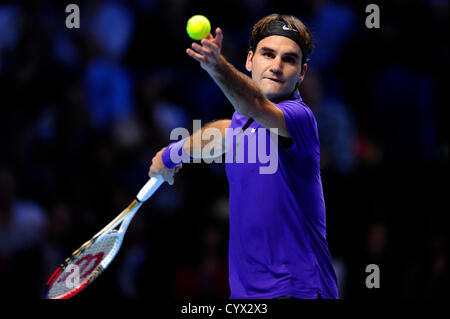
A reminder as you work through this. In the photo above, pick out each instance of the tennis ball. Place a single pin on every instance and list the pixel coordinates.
(198, 27)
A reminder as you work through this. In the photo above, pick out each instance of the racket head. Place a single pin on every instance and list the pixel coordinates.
(93, 257)
(83, 267)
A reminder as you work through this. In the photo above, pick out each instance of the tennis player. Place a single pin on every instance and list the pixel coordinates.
(277, 244)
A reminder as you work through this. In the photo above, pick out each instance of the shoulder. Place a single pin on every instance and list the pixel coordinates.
(298, 114)
(296, 108)
(301, 125)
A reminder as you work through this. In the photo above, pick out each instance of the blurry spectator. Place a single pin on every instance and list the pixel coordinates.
(437, 281)
(9, 29)
(22, 232)
(378, 252)
(206, 98)
(158, 103)
(208, 278)
(108, 83)
(377, 242)
(108, 93)
(336, 125)
(128, 133)
(131, 264)
(65, 50)
(403, 102)
(22, 222)
(337, 131)
(58, 238)
(170, 116)
(134, 255)
(332, 26)
(112, 25)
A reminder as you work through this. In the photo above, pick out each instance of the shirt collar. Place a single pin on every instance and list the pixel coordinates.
(296, 96)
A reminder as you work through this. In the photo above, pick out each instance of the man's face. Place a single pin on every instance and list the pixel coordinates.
(276, 66)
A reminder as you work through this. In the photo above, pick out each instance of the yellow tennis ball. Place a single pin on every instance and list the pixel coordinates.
(198, 27)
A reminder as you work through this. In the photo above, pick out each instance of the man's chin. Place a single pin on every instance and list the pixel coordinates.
(271, 92)
(275, 96)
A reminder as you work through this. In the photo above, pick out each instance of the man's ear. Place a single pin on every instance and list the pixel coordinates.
(302, 74)
(248, 63)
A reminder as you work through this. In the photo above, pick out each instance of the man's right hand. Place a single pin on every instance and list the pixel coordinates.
(158, 168)
(208, 52)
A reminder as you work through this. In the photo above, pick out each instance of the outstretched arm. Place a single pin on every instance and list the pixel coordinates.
(245, 96)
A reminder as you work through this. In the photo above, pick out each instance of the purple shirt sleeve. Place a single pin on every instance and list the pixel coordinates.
(301, 125)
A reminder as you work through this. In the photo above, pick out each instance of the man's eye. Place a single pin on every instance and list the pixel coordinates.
(268, 54)
(289, 60)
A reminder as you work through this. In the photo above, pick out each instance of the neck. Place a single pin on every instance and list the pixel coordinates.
(289, 96)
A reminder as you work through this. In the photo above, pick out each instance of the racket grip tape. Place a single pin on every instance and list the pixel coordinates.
(149, 188)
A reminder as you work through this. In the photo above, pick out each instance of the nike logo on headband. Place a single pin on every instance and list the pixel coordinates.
(285, 27)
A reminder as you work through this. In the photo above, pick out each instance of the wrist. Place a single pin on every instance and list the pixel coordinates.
(173, 155)
(217, 69)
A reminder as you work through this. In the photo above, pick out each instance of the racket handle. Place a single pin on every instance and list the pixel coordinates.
(149, 188)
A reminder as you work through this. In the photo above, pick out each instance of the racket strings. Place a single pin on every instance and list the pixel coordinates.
(85, 267)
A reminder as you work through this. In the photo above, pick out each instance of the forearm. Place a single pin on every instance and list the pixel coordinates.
(212, 136)
(241, 91)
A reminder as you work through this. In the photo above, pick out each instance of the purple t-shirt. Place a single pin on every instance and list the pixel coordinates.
(278, 241)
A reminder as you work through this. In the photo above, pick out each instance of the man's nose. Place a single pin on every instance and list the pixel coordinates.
(277, 66)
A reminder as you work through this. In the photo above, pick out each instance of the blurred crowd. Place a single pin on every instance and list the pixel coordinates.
(83, 111)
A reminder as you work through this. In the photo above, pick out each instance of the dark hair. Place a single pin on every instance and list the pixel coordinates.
(304, 36)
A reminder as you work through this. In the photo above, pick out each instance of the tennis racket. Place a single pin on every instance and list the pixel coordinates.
(88, 262)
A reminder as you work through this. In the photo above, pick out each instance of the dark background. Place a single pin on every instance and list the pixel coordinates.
(83, 111)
